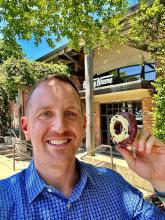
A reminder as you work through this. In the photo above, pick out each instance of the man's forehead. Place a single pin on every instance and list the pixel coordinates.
(53, 87)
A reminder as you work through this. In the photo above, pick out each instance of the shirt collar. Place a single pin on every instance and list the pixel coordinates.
(34, 183)
(87, 170)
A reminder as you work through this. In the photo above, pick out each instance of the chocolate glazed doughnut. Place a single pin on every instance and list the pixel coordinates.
(123, 129)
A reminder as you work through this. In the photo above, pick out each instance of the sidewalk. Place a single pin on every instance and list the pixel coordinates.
(6, 162)
(6, 167)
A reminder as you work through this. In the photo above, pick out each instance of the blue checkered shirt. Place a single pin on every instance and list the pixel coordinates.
(96, 196)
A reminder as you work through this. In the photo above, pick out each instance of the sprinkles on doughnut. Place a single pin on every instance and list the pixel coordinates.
(123, 129)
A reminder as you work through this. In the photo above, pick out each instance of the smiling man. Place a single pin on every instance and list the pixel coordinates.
(55, 124)
(58, 186)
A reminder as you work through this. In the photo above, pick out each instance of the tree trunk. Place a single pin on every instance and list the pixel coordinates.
(90, 134)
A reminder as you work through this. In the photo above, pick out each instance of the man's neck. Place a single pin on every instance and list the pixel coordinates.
(62, 177)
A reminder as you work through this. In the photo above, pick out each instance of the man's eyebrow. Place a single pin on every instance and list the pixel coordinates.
(43, 108)
(73, 109)
(52, 107)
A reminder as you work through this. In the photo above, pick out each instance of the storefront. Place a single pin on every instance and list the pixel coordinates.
(122, 82)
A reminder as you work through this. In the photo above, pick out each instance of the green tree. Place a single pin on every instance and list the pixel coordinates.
(147, 29)
(84, 23)
(20, 74)
(159, 106)
(7, 50)
(80, 21)
(10, 49)
(5, 116)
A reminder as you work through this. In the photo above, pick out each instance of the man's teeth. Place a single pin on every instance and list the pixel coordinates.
(57, 142)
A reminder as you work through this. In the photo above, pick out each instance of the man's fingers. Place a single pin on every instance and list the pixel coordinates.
(153, 143)
(128, 156)
(144, 142)
(135, 142)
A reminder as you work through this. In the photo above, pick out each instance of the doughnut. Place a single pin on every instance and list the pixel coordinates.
(123, 129)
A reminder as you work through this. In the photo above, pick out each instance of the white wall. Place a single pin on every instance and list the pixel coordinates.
(118, 56)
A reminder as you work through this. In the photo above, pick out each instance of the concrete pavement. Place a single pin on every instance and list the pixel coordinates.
(6, 162)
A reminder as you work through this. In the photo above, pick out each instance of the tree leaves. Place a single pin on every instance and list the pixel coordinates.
(19, 74)
(159, 106)
(10, 49)
(147, 27)
(79, 21)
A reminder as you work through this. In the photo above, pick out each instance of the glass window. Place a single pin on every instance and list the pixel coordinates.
(103, 109)
(104, 137)
(131, 70)
(103, 123)
(150, 73)
(134, 72)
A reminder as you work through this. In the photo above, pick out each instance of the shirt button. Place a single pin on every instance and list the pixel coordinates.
(68, 205)
(50, 190)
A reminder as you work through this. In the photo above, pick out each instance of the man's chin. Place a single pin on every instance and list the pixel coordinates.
(60, 156)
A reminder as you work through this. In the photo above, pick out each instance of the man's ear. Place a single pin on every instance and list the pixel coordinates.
(25, 129)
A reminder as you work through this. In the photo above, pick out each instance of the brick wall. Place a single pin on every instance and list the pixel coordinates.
(15, 115)
(18, 108)
(147, 113)
(97, 123)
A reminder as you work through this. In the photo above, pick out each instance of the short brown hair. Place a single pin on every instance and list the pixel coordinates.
(62, 77)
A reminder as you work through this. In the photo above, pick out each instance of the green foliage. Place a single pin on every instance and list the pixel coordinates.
(159, 108)
(10, 49)
(78, 20)
(147, 27)
(5, 114)
(19, 74)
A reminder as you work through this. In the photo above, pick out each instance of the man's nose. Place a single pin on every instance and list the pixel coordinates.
(59, 124)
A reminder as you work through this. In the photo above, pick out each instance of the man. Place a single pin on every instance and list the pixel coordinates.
(56, 185)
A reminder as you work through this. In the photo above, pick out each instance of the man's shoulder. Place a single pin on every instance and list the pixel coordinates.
(102, 173)
(109, 181)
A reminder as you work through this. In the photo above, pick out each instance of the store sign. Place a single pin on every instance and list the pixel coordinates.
(100, 81)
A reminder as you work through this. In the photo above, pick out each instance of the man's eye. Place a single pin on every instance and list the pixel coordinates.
(46, 114)
(71, 114)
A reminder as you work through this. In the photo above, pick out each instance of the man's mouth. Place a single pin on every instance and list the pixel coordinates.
(58, 142)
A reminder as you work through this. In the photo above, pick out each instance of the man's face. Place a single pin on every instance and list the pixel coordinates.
(54, 123)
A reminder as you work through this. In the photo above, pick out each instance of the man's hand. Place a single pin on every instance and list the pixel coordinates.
(150, 159)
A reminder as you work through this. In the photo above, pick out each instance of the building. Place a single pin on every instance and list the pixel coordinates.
(122, 77)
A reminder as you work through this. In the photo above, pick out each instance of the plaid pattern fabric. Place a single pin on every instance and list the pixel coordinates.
(97, 196)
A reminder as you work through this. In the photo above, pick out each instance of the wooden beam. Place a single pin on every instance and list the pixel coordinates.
(90, 132)
(73, 60)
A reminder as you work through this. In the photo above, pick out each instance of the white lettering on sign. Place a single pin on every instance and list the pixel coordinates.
(100, 81)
